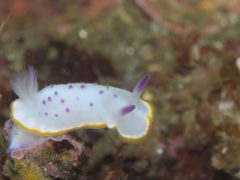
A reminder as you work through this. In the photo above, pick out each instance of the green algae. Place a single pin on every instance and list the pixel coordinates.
(23, 169)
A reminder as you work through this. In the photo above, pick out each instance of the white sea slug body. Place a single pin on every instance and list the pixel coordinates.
(57, 109)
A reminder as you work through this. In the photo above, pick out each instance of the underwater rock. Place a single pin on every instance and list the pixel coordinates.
(37, 149)
(43, 160)
(226, 156)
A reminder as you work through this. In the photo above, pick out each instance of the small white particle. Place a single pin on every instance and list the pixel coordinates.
(181, 86)
(159, 151)
(238, 63)
(225, 105)
(224, 150)
(83, 33)
(147, 95)
(130, 51)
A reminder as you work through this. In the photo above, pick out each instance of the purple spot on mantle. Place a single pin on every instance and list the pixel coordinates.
(49, 98)
(91, 104)
(62, 101)
(45, 113)
(115, 95)
(82, 86)
(101, 92)
(127, 109)
(56, 93)
(67, 110)
(51, 86)
(56, 115)
(70, 86)
(44, 102)
(77, 98)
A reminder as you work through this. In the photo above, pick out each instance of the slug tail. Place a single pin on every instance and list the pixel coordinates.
(140, 86)
(25, 84)
(20, 140)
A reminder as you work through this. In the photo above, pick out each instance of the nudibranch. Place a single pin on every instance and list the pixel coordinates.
(61, 108)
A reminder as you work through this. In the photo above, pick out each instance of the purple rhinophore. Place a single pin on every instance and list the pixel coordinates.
(141, 85)
(127, 109)
(45, 113)
(101, 92)
(44, 102)
(62, 101)
(55, 93)
(56, 115)
(70, 86)
(67, 110)
(91, 104)
(49, 98)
